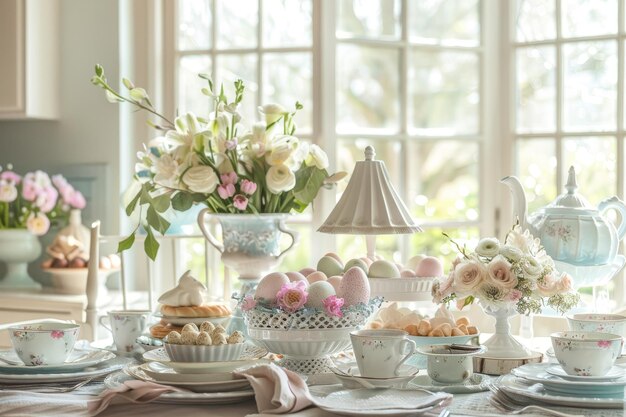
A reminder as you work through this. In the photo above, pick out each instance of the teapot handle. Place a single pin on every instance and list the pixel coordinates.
(206, 232)
(617, 204)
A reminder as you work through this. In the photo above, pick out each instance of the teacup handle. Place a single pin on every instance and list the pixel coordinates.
(292, 233)
(205, 231)
(403, 344)
(101, 321)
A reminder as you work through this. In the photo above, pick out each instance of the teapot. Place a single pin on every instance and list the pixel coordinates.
(570, 229)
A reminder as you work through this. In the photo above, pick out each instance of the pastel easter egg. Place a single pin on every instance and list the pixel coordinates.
(429, 267)
(356, 262)
(269, 286)
(367, 261)
(334, 256)
(412, 262)
(330, 266)
(335, 281)
(318, 292)
(307, 271)
(316, 276)
(354, 287)
(295, 276)
(407, 273)
(383, 269)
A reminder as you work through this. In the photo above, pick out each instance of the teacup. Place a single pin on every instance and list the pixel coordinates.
(126, 326)
(449, 366)
(586, 353)
(44, 343)
(595, 322)
(380, 353)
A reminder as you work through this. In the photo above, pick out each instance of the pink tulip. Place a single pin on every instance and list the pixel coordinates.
(248, 187)
(240, 202)
(230, 178)
(226, 191)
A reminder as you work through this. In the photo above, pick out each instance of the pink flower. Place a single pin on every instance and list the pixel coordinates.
(59, 181)
(499, 273)
(57, 334)
(230, 178)
(564, 284)
(468, 275)
(514, 296)
(225, 191)
(38, 224)
(248, 303)
(546, 286)
(231, 144)
(240, 202)
(248, 187)
(11, 177)
(47, 199)
(604, 344)
(332, 305)
(292, 296)
(78, 200)
(29, 190)
(8, 192)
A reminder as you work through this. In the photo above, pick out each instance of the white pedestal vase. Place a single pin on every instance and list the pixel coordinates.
(502, 345)
(18, 247)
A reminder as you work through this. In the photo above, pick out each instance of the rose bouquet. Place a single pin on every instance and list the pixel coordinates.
(517, 274)
(217, 162)
(35, 200)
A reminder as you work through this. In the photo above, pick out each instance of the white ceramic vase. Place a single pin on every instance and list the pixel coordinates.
(18, 247)
(502, 345)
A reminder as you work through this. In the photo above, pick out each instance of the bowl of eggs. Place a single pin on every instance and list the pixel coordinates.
(207, 343)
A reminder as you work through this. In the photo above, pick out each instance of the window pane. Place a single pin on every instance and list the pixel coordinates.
(367, 89)
(288, 78)
(231, 67)
(588, 18)
(595, 161)
(368, 18)
(536, 89)
(444, 93)
(287, 23)
(535, 20)
(536, 169)
(189, 84)
(353, 246)
(432, 242)
(194, 24)
(300, 255)
(443, 180)
(448, 22)
(237, 22)
(590, 77)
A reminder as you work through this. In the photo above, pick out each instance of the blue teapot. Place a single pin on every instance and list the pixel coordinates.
(569, 228)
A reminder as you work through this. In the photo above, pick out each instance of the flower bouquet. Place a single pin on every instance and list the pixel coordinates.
(517, 276)
(216, 161)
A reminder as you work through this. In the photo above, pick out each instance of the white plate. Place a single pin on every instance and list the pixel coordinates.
(251, 356)
(109, 346)
(537, 372)
(355, 380)
(218, 382)
(181, 321)
(366, 402)
(614, 373)
(476, 383)
(101, 369)
(117, 379)
(519, 389)
(78, 359)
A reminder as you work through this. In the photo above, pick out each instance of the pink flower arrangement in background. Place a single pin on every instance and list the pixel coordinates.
(332, 305)
(292, 296)
(35, 201)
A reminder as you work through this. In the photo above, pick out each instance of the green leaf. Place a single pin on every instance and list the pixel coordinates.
(151, 245)
(161, 203)
(99, 70)
(308, 182)
(145, 197)
(133, 203)
(468, 300)
(156, 221)
(126, 243)
(182, 202)
(128, 83)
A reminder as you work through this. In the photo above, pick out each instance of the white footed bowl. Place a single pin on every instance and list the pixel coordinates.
(586, 353)
(44, 343)
(595, 322)
(302, 344)
(202, 353)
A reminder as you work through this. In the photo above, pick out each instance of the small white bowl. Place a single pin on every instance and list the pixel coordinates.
(449, 366)
(603, 323)
(586, 353)
(201, 353)
(44, 343)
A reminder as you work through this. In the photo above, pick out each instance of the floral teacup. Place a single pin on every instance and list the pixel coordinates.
(449, 366)
(126, 327)
(44, 343)
(596, 322)
(586, 353)
(380, 353)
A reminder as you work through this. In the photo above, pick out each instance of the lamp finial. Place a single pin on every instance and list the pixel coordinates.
(370, 153)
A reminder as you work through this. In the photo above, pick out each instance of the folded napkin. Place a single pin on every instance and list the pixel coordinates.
(132, 390)
(277, 390)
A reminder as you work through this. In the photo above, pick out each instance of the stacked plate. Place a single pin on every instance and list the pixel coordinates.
(80, 365)
(548, 383)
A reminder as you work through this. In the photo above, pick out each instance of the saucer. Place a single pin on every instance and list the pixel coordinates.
(77, 360)
(351, 378)
(616, 372)
(475, 383)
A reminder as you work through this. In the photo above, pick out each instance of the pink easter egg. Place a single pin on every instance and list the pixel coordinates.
(335, 256)
(407, 273)
(429, 267)
(307, 271)
(270, 285)
(335, 281)
(354, 287)
(316, 276)
(367, 260)
(295, 276)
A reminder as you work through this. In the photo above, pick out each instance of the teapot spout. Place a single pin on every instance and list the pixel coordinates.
(519, 199)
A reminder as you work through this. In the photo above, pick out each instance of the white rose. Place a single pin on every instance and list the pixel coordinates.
(280, 178)
(468, 275)
(272, 112)
(317, 157)
(488, 247)
(201, 179)
(499, 273)
(531, 268)
(511, 253)
(281, 149)
(298, 156)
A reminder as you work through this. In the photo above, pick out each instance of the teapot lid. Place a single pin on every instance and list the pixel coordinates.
(571, 199)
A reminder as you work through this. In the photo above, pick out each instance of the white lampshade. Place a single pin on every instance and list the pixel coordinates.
(370, 205)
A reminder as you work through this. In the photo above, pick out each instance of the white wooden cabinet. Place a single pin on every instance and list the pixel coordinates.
(29, 59)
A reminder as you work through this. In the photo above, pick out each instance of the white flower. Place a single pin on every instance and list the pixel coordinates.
(201, 179)
(499, 273)
(38, 224)
(166, 171)
(468, 275)
(40, 178)
(488, 247)
(511, 253)
(272, 112)
(531, 268)
(297, 158)
(317, 157)
(280, 178)
(8, 191)
(187, 136)
(281, 149)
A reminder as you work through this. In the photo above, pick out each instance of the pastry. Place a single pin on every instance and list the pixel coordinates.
(161, 330)
(220, 339)
(189, 327)
(203, 339)
(186, 300)
(173, 337)
(207, 326)
(195, 311)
